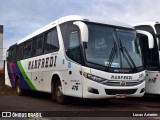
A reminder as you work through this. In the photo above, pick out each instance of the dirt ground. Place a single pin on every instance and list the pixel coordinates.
(5, 90)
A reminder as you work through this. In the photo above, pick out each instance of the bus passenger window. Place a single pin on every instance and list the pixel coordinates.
(51, 41)
(39, 45)
(47, 42)
(13, 54)
(54, 41)
(27, 50)
(29, 46)
(9, 55)
(34, 44)
(19, 52)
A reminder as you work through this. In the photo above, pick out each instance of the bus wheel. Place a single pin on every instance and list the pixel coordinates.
(59, 97)
(19, 90)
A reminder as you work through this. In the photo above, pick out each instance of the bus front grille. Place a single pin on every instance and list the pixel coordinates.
(114, 92)
(118, 83)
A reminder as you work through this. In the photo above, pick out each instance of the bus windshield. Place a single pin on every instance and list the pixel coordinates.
(113, 47)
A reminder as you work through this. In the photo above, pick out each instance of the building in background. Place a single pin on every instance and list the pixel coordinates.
(1, 46)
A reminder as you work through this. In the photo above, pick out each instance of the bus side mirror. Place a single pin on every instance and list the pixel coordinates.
(83, 30)
(150, 38)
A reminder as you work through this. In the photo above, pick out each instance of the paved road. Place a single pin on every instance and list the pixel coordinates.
(42, 102)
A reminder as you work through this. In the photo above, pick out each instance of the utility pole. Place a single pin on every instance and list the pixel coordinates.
(1, 48)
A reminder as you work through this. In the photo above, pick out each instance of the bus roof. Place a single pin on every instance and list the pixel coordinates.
(146, 23)
(13, 46)
(72, 18)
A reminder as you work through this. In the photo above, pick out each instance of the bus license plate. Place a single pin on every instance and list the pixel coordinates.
(121, 96)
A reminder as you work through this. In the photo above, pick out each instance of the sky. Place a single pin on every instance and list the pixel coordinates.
(22, 17)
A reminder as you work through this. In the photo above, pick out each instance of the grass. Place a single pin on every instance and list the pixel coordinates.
(5, 90)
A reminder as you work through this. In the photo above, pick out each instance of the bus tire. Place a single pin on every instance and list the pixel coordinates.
(53, 92)
(59, 97)
(19, 90)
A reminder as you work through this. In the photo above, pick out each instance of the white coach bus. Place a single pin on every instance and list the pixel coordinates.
(80, 57)
(151, 57)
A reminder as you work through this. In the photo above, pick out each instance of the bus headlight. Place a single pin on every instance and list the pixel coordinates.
(93, 77)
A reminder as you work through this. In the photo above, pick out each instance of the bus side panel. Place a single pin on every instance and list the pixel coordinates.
(152, 82)
(47, 78)
(24, 76)
(16, 72)
(73, 79)
(11, 76)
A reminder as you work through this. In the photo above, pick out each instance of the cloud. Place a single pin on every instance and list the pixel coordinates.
(132, 11)
(22, 17)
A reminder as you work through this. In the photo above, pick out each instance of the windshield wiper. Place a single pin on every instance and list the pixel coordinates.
(112, 55)
(123, 49)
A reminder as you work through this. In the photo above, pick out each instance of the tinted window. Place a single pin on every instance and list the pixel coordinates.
(71, 40)
(47, 42)
(39, 45)
(51, 41)
(19, 52)
(34, 44)
(9, 55)
(66, 29)
(27, 49)
(54, 40)
(73, 51)
(13, 54)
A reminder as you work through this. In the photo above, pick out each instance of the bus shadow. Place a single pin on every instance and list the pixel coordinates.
(147, 101)
(151, 101)
(147, 98)
(73, 101)
(38, 95)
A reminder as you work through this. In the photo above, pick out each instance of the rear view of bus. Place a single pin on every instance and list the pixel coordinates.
(151, 56)
(94, 59)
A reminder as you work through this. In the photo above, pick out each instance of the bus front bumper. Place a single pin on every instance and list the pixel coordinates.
(95, 90)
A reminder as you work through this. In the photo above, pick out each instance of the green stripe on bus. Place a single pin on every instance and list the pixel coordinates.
(25, 76)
